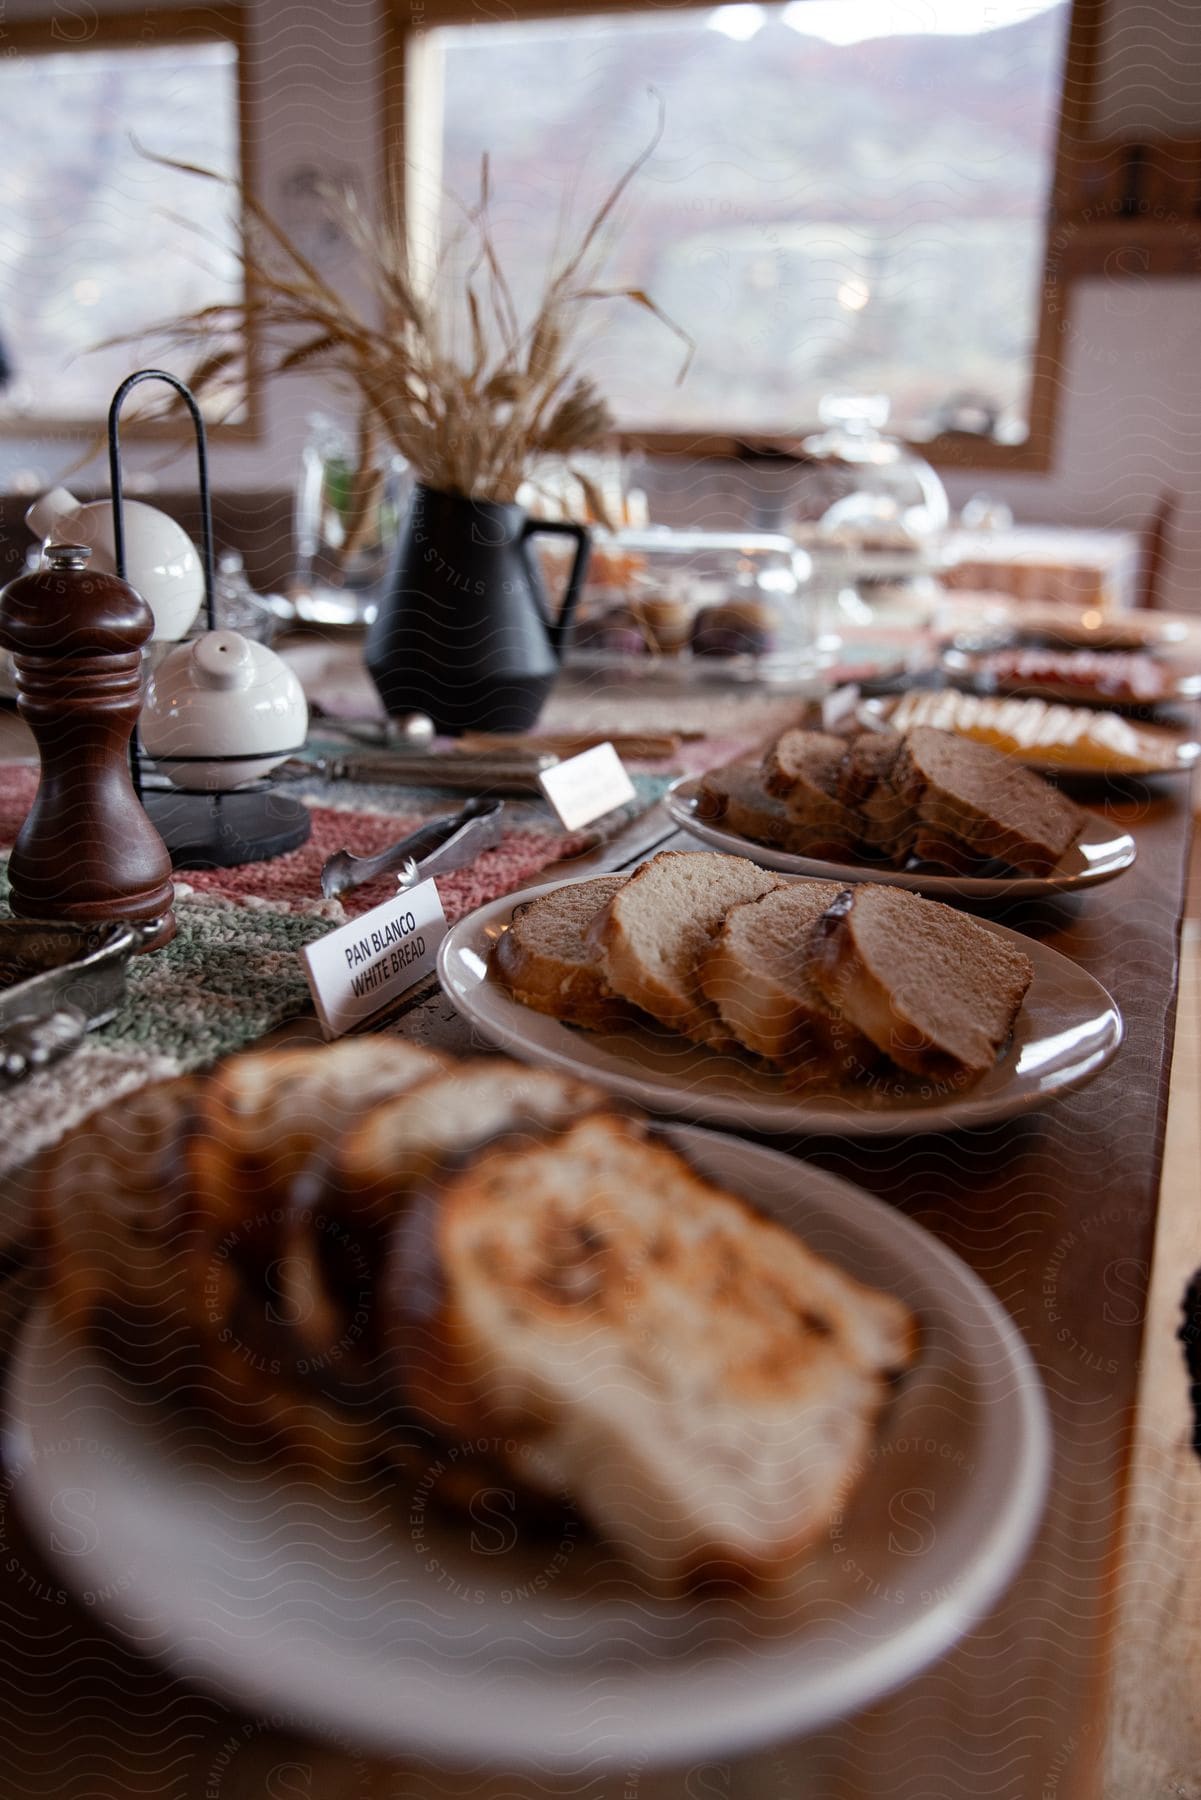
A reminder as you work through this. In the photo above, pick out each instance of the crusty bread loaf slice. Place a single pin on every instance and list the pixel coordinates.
(264, 1118)
(934, 990)
(445, 1119)
(736, 798)
(758, 974)
(653, 934)
(867, 784)
(106, 1198)
(804, 769)
(968, 793)
(703, 1385)
(544, 962)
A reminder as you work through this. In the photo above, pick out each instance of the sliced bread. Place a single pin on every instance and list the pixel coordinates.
(867, 783)
(758, 975)
(263, 1119)
(967, 793)
(804, 768)
(107, 1198)
(934, 990)
(445, 1119)
(544, 962)
(653, 935)
(735, 797)
(703, 1385)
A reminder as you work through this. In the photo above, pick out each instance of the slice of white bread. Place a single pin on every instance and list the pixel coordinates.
(934, 990)
(703, 1385)
(968, 794)
(544, 962)
(758, 974)
(654, 933)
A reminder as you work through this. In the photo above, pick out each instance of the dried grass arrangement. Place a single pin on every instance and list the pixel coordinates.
(472, 423)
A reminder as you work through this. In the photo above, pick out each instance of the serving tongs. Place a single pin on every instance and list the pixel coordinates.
(442, 844)
(58, 981)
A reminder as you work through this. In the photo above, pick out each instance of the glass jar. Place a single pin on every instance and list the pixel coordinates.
(347, 523)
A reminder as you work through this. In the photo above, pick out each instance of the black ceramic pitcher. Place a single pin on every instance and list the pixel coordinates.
(464, 632)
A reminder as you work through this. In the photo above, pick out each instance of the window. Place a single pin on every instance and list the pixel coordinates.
(850, 195)
(95, 241)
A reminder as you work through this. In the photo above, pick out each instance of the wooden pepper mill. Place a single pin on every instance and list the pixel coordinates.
(87, 851)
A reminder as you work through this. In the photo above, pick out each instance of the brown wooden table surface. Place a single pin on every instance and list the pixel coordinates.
(1056, 1211)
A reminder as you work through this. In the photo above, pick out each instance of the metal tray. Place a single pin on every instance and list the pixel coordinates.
(57, 982)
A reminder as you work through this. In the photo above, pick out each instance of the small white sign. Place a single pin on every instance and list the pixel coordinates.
(585, 787)
(361, 968)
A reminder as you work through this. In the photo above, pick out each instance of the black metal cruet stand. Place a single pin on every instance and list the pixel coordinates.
(201, 829)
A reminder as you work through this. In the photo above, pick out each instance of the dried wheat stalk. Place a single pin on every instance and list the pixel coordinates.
(473, 425)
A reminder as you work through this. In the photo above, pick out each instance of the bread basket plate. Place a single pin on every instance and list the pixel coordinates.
(1099, 853)
(1168, 750)
(1067, 1030)
(349, 1616)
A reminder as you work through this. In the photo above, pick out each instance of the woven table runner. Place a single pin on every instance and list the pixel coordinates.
(232, 973)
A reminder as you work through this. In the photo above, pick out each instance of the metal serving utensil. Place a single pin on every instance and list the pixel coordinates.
(58, 981)
(434, 848)
(514, 772)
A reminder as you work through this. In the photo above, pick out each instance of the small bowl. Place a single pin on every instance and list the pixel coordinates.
(222, 711)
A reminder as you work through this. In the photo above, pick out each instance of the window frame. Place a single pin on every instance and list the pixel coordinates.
(127, 30)
(406, 112)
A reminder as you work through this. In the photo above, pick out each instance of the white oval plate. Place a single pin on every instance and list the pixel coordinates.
(1099, 853)
(962, 668)
(1171, 751)
(347, 1618)
(1067, 1030)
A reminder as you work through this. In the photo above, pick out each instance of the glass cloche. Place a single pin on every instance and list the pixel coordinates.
(872, 515)
(697, 604)
(862, 490)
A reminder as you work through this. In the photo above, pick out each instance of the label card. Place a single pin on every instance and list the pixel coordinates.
(359, 969)
(585, 787)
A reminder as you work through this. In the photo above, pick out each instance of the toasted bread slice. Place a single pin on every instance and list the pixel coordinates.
(701, 1383)
(445, 1119)
(264, 1118)
(804, 769)
(544, 962)
(736, 798)
(967, 793)
(653, 934)
(757, 973)
(107, 1197)
(934, 990)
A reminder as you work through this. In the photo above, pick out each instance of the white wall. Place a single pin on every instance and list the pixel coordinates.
(1131, 398)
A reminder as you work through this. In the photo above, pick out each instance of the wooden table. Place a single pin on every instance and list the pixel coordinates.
(1057, 1212)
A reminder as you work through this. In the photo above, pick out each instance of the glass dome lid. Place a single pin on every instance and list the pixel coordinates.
(867, 491)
